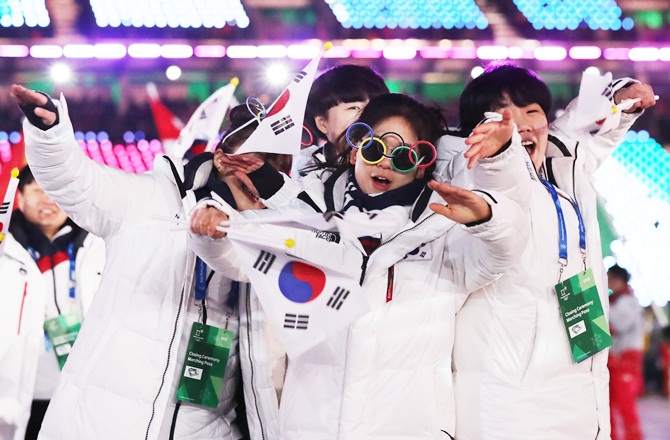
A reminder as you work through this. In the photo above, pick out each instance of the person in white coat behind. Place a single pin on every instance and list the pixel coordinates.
(514, 372)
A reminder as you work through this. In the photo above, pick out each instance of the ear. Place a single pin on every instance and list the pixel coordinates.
(420, 172)
(218, 154)
(321, 123)
(352, 156)
(20, 201)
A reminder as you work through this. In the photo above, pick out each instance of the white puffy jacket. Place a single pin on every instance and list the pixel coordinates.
(120, 380)
(388, 375)
(27, 300)
(513, 369)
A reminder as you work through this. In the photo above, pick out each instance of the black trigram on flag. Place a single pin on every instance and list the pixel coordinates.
(282, 124)
(264, 262)
(338, 297)
(294, 321)
(300, 76)
(607, 93)
(4, 208)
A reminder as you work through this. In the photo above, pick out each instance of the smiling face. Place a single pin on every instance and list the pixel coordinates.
(40, 210)
(533, 126)
(381, 177)
(338, 118)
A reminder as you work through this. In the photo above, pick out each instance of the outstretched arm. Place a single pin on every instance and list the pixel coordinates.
(463, 206)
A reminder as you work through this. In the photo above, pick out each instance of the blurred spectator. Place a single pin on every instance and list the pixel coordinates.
(625, 357)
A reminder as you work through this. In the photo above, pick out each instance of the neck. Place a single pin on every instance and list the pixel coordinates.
(49, 231)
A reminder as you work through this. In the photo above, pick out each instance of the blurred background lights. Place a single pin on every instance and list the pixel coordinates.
(173, 73)
(170, 13)
(569, 14)
(476, 71)
(17, 13)
(277, 74)
(60, 73)
(404, 14)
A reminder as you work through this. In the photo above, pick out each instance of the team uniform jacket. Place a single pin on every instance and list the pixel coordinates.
(513, 369)
(388, 375)
(120, 380)
(30, 293)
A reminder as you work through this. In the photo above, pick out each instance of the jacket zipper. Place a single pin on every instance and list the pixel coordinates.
(167, 363)
(251, 362)
(23, 301)
(53, 277)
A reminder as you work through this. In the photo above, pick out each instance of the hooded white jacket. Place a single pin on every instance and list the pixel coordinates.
(513, 369)
(27, 300)
(120, 380)
(388, 375)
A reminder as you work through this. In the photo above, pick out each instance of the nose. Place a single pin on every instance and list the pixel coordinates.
(385, 164)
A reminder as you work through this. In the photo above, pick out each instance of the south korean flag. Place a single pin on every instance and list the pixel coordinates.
(304, 299)
(280, 131)
(7, 206)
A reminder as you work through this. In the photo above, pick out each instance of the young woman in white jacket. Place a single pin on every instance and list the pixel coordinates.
(121, 378)
(514, 373)
(388, 375)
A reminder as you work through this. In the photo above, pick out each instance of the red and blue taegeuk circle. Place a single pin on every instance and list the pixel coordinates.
(300, 282)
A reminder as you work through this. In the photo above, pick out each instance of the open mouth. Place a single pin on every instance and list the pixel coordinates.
(381, 183)
(529, 146)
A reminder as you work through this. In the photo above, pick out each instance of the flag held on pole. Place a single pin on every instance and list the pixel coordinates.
(7, 206)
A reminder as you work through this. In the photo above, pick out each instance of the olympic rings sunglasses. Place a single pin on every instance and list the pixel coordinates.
(404, 159)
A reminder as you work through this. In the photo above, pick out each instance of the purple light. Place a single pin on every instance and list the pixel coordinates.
(46, 51)
(176, 51)
(434, 52)
(110, 51)
(209, 51)
(492, 52)
(464, 53)
(399, 52)
(366, 53)
(337, 52)
(302, 51)
(616, 53)
(144, 50)
(585, 52)
(664, 54)
(550, 53)
(14, 50)
(14, 137)
(643, 54)
(78, 51)
(241, 51)
(272, 51)
(516, 52)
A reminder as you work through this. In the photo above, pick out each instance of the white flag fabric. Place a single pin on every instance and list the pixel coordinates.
(281, 130)
(304, 301)
(7, 207)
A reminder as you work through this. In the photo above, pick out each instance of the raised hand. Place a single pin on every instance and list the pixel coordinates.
(636, 90)
(204, 221)
(487, 139)
(30, 99)
(245, 163)
(463, 206)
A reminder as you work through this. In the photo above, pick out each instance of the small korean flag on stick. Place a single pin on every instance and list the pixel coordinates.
(305, 300)
(280, 130)
(7, 206)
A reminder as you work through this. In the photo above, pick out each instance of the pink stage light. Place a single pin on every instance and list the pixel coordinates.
(272, 51)
(242, 51)
(46, 51)
(643, 54)
(338, 52)
(464, 53)
(585, 52)
(14, 50)
(399, 52)
(176, 51)
(664, 54)
(492, 52)
(434, 52)
(110, 51)
(302, 51)
(144, 50)
(550, 53)
(366, 53)
(209, 51)
(616, 53)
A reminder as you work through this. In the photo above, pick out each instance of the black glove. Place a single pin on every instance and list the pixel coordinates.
(29, 112)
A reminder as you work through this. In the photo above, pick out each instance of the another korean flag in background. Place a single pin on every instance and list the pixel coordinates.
(304, 302)
(280, 130)
(7, 206)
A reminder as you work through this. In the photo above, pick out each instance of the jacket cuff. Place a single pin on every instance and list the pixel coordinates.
(267, 180)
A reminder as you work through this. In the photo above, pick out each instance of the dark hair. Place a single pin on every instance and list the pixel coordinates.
(25, 177)
(344, 83)
(238, 116)
(619, 272)
(427, 122)
(489, 91)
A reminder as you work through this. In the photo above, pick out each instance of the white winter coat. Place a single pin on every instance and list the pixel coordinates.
(26, 301)
(513, 369)
(120, 380)
(388, 375)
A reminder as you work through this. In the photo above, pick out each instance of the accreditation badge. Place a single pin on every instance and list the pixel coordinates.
(583, 315)
(62, 332)
(201, 380)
